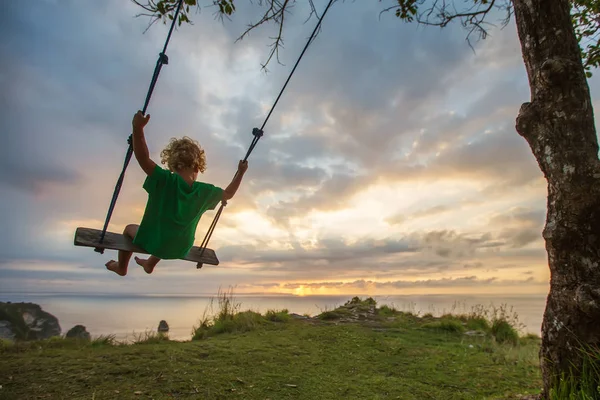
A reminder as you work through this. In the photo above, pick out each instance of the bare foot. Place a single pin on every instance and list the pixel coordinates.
(113, 266)
(146, 264)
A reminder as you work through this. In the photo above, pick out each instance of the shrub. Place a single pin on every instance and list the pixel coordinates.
(504, 332)
(447, 325)
(278, 316)
(478, 324)
(227, 319)
(386, 311)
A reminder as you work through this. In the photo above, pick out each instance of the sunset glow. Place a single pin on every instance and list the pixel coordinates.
(380, 172)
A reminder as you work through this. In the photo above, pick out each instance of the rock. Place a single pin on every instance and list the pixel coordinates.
(27, 321)
(6, 330)
(78, 332)
(475, 333)
(163, 326)
(353, 311)
(298, 316)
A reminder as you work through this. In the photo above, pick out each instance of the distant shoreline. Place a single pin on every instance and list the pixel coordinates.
(238, 295)
(120, 314)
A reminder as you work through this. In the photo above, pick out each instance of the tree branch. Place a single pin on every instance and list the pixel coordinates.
(275, 12)
(585, 15)
(443, 12)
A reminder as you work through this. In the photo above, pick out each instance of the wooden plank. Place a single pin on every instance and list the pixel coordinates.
(88, 237)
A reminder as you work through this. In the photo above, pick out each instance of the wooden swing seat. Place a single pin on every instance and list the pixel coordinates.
(88, 237)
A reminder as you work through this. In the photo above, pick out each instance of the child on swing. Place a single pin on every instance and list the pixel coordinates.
(175, 200)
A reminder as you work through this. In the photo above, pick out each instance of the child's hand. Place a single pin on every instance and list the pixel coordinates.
(139, 121)
(242, 167)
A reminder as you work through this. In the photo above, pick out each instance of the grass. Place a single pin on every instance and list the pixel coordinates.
(278, 316)
(583, 385)
(387, 311)
(504, 332)
(335, 314)
(104, 340)
(446, 325)
(227, 319)
(477, 323)
(150, 337)
(246, 355)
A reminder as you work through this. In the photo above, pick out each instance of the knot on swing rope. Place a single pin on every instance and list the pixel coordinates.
(257, 132)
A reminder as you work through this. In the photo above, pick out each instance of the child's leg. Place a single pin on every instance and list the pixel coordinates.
(124, 256)
(148, 264)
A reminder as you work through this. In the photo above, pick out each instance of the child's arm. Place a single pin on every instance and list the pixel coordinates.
(229, 192)
(140, 148)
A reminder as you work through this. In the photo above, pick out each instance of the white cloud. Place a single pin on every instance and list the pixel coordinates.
(392, 152)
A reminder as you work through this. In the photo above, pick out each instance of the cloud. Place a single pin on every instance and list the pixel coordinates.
(450, 244)
(520, 217)
(427, 212)
(520, 226)
(499, 159)
(377, 108)
(420, 252)
(462, 282)
(327, 250)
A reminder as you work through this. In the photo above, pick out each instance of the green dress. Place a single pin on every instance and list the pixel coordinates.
(168, 228)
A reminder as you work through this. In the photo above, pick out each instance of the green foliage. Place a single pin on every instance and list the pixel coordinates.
(6, 345)
(338, 313)
(585, 15)
(104, 340)
(407, 10)
(300, 360)
(226, 7)
(228, 319)
(529, 338)
(583, 383)
(228, 306)
(446, 325)
(357, 301)
(504, 332)
(241, 322)
(278, 316)
(501, 323)
(476, 323)
(386, 311)
(149, 337)
(352, 308)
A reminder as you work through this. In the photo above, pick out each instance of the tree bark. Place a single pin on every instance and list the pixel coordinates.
(558, 125)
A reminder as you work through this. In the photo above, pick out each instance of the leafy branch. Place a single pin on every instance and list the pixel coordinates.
(585, 15)
(165, 10)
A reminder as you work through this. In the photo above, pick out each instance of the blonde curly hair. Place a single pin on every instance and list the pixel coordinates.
(183, 153)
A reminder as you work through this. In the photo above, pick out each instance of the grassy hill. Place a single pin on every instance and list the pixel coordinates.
(358, 351)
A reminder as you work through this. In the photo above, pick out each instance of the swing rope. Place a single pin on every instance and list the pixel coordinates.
(162, 60)
(258, 132)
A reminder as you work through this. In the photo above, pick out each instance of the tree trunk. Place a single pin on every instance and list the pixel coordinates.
(558, 125)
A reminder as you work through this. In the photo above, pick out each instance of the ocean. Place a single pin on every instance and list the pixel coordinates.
(126, 316)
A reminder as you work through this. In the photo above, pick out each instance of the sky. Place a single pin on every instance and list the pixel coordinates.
(391, 164)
